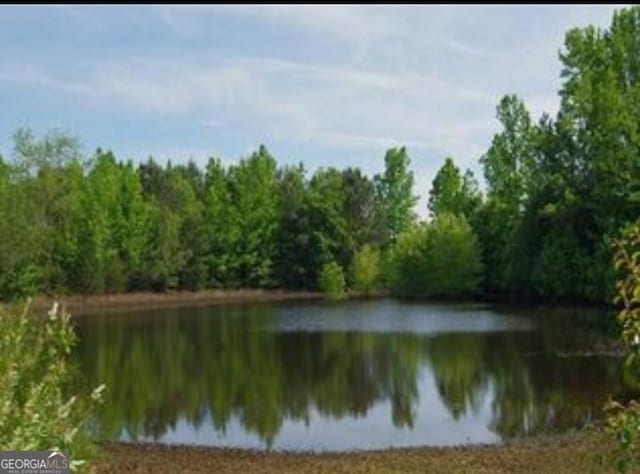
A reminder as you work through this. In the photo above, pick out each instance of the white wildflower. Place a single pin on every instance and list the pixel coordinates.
(76, 463)
(54, 310)
(97, 392)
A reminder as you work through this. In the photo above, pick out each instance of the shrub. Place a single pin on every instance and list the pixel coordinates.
(440, 259)
(331, 281)
(365, 269)
(35, 411)
(622, 422)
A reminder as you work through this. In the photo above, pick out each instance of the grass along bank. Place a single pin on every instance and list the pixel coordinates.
(83, 304)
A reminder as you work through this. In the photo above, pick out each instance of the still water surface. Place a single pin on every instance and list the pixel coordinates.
(361, 375)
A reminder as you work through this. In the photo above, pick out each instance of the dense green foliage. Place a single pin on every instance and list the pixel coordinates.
(560, 189)
(453, 192)
(35, 411)
(365, 270)
(72, 224)
(623, 421)
(440, 259)
(332, 282)
(395, 187)
(557, 191)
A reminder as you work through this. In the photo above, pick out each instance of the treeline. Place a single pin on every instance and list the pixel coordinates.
(70, 224)
(557, 191)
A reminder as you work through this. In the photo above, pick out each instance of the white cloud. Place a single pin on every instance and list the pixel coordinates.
(466, 48)
(170, 87)
(348, 23)
(299, 101)
(375, 76)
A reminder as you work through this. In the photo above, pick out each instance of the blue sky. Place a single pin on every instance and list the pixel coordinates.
(330, 85)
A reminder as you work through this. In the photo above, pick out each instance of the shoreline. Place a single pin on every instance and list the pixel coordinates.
(80, 304)
(573, 452)
(88, 304)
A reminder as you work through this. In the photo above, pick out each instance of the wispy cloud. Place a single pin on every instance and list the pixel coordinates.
(330, 82)
(349, 23)
(306, 102)
(466, 48)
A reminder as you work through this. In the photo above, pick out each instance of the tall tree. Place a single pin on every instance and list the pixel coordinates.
(600, 103)
(362, 210)
(395, 190)
(329, 238)
(50, 172)
(453, 192)
(20, 273)
(510, 170)
(295, 259)
(221, 231)
(509, 162)
(256, 195)
(249, 194)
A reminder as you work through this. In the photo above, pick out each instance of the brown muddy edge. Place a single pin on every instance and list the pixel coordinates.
(86, 304)
(568, 453)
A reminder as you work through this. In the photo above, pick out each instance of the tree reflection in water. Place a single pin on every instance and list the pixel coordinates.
(230, 363)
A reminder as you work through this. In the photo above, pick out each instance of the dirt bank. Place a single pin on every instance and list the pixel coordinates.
(558, 454)
(83, 304)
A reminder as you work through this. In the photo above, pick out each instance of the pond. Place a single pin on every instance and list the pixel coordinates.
(359, 375)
